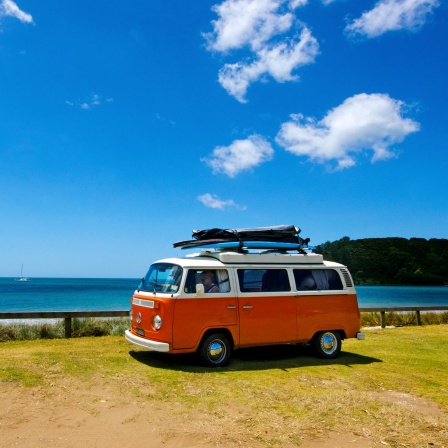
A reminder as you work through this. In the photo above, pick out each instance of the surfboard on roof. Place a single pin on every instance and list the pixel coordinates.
(281, 237)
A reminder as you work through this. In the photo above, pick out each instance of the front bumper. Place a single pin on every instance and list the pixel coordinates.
(360, 335)
(154, 346)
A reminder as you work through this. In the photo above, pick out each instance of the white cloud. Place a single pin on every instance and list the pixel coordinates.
(248, 22)
(213, 201)
(363, 122)
(241, 155)
(255, 24)
(94, 100)
(9, 8)
(278, 61)
(392, 15)
(161, 118)
(293, 4)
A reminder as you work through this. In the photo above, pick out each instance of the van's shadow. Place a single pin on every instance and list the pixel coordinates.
(254, 358)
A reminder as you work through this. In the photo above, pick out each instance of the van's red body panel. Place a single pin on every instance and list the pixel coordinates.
(192, 317)
(322, 312)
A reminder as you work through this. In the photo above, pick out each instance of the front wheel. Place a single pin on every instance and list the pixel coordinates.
(327, 344)
(215, 350)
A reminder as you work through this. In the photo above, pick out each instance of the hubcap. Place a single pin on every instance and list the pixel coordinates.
(328, 343)
(216, 350)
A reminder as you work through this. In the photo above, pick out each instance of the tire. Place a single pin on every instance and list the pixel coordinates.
(215, 350)
(327, 344)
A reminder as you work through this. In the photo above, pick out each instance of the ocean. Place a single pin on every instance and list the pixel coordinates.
(96, 294)
(66, 294)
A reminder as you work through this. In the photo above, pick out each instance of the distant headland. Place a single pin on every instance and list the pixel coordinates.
(391, 261)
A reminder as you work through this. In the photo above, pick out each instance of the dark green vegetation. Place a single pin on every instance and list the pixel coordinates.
(391, 261)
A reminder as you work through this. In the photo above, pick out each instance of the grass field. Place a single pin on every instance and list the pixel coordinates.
(389, 390)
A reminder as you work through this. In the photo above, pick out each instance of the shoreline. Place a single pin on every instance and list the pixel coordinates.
(50, 320)
(55, 320)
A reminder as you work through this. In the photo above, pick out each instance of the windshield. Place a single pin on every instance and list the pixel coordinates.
(162, 277)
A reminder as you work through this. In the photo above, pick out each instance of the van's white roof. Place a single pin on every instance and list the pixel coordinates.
(215, 259)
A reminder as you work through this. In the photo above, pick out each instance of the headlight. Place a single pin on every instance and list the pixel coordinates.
(156, 322)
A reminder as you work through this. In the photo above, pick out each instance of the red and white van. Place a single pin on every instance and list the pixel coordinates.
(255, 299)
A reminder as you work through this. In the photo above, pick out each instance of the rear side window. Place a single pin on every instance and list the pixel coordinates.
(317, 279)
(263, 280)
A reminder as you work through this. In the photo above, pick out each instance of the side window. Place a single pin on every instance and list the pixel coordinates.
(263, 280)
(317, 280)
(214, 280)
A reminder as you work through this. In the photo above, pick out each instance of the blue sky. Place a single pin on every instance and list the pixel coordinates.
(123, 126)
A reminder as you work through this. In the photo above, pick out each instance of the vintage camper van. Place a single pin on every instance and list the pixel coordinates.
(227, 296)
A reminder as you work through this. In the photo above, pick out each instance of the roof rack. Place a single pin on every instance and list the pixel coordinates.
(262, 257)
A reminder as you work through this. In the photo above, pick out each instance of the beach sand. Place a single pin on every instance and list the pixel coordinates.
(103, 414)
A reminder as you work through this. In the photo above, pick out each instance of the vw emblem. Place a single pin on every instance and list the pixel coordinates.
(138, 318)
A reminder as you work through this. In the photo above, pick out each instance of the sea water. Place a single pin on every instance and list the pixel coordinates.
(393, 296)
(95, 294)
(66, 294)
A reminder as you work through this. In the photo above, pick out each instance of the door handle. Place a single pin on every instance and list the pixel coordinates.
(231, 307)
(247, 307)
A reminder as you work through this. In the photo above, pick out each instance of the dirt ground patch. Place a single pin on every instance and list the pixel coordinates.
(72, 416)
(104, 415)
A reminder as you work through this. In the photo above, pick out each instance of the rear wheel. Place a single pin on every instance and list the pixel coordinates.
(327, 344)
(215, 350)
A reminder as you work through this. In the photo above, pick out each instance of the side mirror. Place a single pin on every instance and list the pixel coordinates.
(199, 289)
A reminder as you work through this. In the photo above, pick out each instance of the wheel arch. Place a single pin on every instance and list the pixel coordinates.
(223, 330)
(341, 332)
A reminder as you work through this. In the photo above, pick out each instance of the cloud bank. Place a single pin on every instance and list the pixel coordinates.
(278, 44)
(361, 123)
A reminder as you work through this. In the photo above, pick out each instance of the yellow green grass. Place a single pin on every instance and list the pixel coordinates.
(81, 327)
(391, 389)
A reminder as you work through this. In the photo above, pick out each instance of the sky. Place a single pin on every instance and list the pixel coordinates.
(126, 125)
